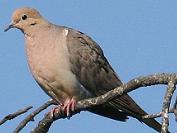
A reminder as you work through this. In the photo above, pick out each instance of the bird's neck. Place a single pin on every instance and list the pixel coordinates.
(35, 30)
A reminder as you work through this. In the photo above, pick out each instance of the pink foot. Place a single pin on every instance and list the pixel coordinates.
(69, 107)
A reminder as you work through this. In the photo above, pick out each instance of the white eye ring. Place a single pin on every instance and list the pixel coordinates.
(24, 17)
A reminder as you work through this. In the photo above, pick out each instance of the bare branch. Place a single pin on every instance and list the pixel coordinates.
(152, 116)
(14, 115)
(155, 79)
(166, 105)
(173, 110)
(31, 116)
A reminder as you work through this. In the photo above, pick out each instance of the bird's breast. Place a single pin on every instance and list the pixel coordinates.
(47, 58)
(49, 64)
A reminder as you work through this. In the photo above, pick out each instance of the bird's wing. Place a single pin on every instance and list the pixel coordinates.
(95, 73)
(89, 64)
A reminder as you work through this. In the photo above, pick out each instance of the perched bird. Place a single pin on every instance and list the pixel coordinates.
(69, 66)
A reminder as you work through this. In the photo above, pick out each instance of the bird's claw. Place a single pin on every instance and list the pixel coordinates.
(68, 107)
(54, 110)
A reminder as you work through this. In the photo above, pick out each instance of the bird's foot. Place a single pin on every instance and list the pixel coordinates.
(55, 109)
(69, 107)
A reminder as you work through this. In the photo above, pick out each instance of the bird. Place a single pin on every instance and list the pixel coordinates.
(70, 66)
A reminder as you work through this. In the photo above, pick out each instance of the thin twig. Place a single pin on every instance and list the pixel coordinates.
(31, 116)
(150, 116)
(14, 115)
(166, 105)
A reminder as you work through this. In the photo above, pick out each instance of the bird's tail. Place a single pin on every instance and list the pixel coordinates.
(122, 107)
(128, 105)
(113, 113)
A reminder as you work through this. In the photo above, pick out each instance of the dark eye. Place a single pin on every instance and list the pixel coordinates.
(24, 17)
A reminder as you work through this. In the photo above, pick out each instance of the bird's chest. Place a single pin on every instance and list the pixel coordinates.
(47, 59)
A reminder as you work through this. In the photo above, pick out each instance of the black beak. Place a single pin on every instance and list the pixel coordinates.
(9, 27)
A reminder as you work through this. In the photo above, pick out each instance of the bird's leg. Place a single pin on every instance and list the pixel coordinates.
(69, 106)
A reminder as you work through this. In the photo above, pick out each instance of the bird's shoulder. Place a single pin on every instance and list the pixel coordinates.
(85, 49)
(79, 39)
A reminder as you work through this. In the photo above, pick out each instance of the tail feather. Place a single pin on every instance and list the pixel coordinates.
(153, 124)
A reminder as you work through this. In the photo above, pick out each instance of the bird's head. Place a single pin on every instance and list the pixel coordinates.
(25, 18)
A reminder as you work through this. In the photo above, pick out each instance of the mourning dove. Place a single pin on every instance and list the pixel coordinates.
(70, 66)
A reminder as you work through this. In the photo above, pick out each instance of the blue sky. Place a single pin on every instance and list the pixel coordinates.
(138, 37)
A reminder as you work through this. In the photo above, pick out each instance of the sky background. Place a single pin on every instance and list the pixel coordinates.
(139, 37)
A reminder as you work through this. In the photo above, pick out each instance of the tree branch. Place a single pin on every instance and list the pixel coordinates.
(83, 105)
(166, 105)
(14, 115)
(31, 116)
(173, 110)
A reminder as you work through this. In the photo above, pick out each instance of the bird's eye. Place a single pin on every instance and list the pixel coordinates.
(24, 17)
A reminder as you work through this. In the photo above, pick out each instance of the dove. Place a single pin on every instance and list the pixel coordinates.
(70, 66)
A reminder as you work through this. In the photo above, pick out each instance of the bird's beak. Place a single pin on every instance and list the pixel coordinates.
(9, 27)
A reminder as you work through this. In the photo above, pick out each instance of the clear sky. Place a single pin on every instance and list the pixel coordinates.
(139, 37)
